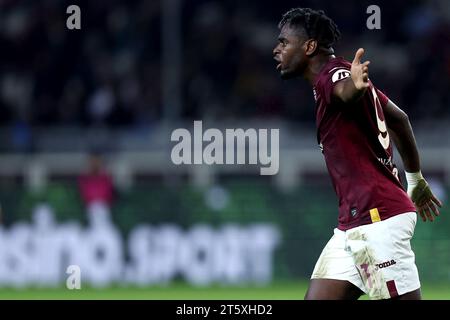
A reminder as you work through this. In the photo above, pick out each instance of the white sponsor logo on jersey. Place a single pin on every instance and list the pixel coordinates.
(383, 136)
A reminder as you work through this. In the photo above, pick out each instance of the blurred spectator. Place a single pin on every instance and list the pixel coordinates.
(110, 72)
(96, 186)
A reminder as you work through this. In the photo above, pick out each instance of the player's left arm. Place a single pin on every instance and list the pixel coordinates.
(400, 130)
(352, 88)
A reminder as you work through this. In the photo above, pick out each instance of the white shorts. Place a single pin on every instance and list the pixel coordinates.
(377, 258)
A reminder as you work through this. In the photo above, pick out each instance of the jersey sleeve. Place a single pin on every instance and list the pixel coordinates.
(330, 80)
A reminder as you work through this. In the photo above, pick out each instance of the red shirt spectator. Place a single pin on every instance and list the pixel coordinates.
(96, 185)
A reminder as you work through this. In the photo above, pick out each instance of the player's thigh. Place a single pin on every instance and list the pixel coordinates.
(331, 289)
(413, 295)
(336, 263)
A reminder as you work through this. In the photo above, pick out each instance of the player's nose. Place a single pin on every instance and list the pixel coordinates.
(276, 57)
(276, 50)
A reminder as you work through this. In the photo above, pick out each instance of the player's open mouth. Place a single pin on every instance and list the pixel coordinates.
(279, 66)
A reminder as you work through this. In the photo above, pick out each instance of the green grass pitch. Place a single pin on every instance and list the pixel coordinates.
(180, 291)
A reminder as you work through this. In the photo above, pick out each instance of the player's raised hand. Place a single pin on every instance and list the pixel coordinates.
(360, 71)
(425, 201)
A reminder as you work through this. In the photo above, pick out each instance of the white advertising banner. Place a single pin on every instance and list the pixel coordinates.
(40, 253)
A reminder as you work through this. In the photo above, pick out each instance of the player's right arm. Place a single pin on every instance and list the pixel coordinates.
(400, 130)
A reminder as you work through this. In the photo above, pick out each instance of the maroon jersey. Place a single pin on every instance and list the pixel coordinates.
(358, 151)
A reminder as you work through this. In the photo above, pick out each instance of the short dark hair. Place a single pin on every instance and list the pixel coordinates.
(315, 23)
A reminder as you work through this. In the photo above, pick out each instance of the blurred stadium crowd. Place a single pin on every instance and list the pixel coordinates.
(109, 72)
(63, 93)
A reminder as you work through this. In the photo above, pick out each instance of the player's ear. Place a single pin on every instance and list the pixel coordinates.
(310, 47)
